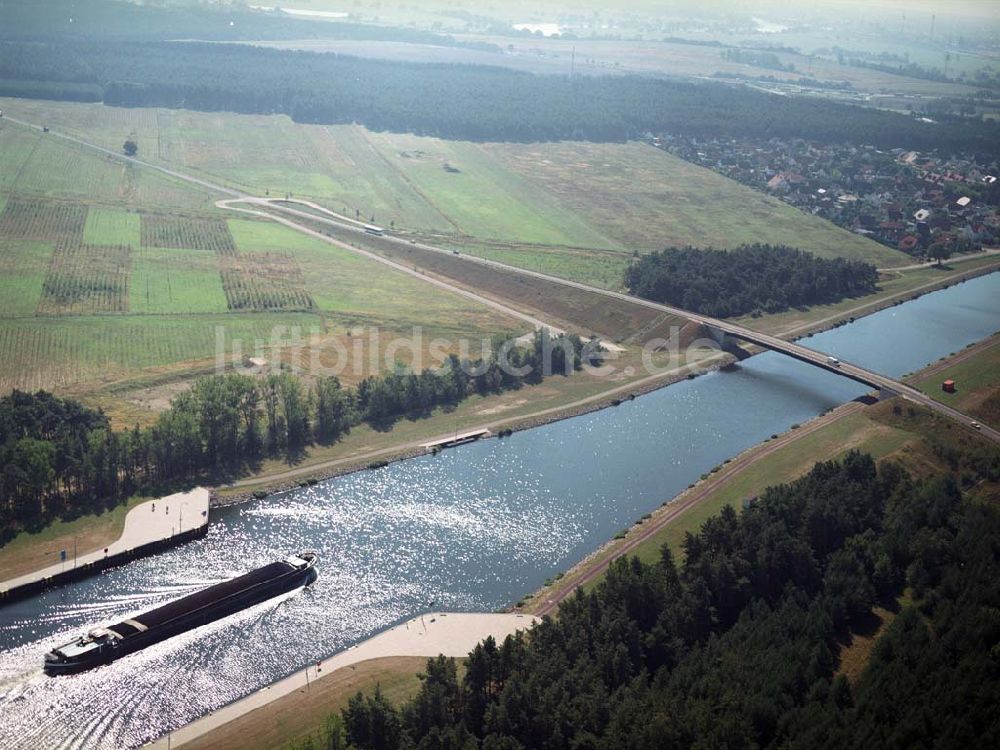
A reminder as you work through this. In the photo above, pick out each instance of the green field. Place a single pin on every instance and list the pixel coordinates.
(560, 199)
(343, 282)
(971, 375)
(600, 268)
(46, 166)
(23, 266)
(975, 384)
(648, 199)
(71, 351)
(111, 227)
(111, 272)
(166, 281)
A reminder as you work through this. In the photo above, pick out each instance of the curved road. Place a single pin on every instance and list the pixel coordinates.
(790, 348)
(805, 354)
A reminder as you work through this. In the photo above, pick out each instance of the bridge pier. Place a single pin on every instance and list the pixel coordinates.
(728, 344)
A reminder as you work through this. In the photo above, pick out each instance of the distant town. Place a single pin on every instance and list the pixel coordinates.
(920, 203)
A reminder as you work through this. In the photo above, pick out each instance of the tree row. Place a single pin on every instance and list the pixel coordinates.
(467, 102)
(59, 459)
(740, 645)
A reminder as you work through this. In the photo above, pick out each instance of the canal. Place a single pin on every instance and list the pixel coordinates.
(474, 528)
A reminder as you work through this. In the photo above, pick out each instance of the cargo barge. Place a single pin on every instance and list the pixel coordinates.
(104, 645)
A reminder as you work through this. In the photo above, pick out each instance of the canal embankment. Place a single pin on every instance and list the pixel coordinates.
(472, 529)
(149, 527)
(452, 634)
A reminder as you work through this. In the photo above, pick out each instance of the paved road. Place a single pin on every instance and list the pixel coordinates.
(790, 348)
(128, 159)
(805, 354)
(453, 634)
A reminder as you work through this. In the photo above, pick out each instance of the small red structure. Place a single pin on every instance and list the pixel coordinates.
(948, 386)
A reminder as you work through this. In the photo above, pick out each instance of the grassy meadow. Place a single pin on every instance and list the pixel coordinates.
(574, 209)
(114, 271)
(110, 272)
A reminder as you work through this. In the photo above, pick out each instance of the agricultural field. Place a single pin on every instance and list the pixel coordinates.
(43, 165)
(106, 226)
(181, 231)
(112, 287)
(46, 221)
(171, 281)
(648, 199)
(23, 266)
(77, 352)
(264, 281)
(482, 197)
(600, 268)
(386, 298)
(86, 279)
(561, 207)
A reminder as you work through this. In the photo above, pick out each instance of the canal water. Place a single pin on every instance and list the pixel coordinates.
(474, 528)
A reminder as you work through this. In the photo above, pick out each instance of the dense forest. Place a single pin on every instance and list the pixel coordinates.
(750, 279)
(467, 102)
(738, 645)
(61, 460)
(122, 20)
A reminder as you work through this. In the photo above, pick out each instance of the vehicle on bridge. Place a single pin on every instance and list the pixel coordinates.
(833, 361)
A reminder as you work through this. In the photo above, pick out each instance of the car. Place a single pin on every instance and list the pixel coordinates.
(976, 425)
(833, 361)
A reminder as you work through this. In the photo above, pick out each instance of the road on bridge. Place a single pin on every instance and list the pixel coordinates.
(803, 353)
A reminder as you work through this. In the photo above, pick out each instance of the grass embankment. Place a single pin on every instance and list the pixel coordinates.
(894, 286)
(975, 374)
(876, 429)
(555, 397)
(28, 552)
(303, 713)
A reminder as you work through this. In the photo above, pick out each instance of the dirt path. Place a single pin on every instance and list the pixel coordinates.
(592, 569)
(510, 311)
(986, 252)
(947, 362)
(452, 634)
(403, 448)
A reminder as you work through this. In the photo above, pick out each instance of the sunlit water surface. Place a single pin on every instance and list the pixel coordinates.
(474, 528)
